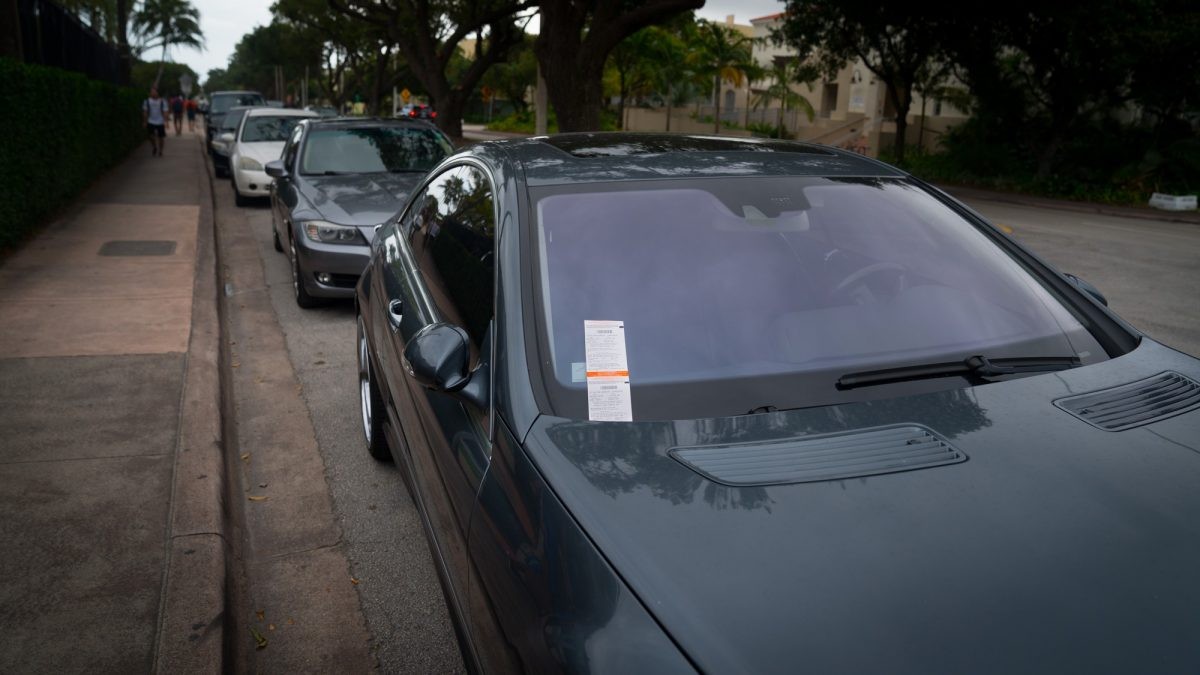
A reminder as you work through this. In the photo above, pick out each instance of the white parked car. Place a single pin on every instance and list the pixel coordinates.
(259, 139)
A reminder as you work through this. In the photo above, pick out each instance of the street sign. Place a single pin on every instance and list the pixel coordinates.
(405, 94)
(185, 84)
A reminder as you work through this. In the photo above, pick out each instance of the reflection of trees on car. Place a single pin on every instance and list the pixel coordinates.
(404, 149)
(463, 240)
(620, 458)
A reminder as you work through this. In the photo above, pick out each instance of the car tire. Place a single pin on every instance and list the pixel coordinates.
(238, 199)
(219, 171)
(275, 239)
(303, 299)
(370, 401)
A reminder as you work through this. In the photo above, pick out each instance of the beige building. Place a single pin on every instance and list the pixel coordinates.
(851, 110)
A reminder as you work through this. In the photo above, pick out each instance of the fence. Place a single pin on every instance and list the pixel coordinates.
(50, 36)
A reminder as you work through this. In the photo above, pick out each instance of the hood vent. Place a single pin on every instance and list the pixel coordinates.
(1132, 405)
(855, 454)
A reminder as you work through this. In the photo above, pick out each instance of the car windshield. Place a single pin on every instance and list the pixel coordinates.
(269, 128)
(223, 102)
(230, 122)
(742, 293)
(373, 150)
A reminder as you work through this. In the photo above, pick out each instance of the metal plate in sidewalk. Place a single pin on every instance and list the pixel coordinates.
(138, 247)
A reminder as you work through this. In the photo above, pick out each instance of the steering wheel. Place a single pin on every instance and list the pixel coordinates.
(860, 276)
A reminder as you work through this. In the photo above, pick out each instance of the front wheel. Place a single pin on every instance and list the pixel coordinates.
(370, 401)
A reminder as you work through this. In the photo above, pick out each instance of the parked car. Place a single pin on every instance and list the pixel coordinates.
(260, 139)
(677, 404)
(223, 138)
(419, 111)
(221, 102)
(337, 182)
(323, 110)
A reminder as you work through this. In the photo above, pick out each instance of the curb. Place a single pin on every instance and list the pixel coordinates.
(965, 193)
(192, 613)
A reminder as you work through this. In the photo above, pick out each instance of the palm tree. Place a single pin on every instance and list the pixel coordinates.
(165, 24)
(727, 57)
(783, 74)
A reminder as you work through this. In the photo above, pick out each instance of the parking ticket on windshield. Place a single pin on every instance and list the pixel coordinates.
(607, 372)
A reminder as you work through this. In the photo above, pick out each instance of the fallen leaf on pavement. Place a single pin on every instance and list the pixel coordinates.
(246, 457)
(354, 581)
(261, 614)
(258, 498)
(262, 485)
(291, 622)
(270, 626)
(259, 638)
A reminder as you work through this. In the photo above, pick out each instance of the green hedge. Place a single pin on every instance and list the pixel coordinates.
(61, 130)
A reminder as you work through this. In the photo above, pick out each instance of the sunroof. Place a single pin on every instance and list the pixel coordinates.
(618, 145)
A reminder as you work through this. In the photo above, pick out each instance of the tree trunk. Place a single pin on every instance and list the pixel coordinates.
(1048, 155)
(381, 59)
(668, 112)
(621, 104)
(717, 105)
(123, 40)
(573, 83)
(162, 63)
(449, 118)
(901, 95)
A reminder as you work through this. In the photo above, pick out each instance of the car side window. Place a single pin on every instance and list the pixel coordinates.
(293, 146)
(454, 238)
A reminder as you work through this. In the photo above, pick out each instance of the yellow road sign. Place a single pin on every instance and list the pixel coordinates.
(405, 94)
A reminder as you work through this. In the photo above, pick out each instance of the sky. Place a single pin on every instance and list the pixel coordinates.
(224, 22)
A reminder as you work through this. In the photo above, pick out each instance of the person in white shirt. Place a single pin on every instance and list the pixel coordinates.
(154, 115)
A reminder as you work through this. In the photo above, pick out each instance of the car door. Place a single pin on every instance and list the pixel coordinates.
(443, 272)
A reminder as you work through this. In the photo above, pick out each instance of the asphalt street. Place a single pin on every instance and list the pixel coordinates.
(1149, 270)
(381, 533)
(1146, 268)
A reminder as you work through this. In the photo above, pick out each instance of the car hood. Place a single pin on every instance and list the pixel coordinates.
(1055, 546)
(365, 200)
(262, 152)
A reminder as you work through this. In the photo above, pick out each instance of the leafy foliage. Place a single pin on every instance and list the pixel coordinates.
(66, 130)
(725, 56)
(162, 24)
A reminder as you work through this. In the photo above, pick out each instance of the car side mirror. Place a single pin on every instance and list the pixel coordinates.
(1087, 288)
(275, 169)
(439, 357)
(226, 137)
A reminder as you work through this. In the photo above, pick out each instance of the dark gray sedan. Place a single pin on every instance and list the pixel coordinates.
(675, 404)
(336, 183)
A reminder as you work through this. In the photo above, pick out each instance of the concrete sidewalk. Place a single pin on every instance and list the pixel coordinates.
(111, 475)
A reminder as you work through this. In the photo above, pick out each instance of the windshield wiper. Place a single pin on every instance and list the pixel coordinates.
(977, 366)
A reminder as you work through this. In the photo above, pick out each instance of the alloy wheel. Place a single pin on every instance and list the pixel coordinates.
(364, 383)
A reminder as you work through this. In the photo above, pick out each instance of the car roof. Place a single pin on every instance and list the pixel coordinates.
(612, 156)
(258, 111)
(234, 92)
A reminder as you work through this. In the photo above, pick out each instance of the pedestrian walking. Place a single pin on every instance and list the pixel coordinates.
(177, 113)
(190, 106)
(154, 115)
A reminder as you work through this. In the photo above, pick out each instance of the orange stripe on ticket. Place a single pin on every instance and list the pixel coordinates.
(608, 373)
